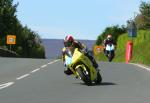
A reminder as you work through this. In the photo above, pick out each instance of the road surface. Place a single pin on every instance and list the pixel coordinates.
(43, 81)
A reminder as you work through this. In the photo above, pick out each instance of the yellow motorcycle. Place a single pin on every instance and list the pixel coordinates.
(82, 68)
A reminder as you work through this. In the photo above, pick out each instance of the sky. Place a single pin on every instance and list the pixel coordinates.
(84, 19)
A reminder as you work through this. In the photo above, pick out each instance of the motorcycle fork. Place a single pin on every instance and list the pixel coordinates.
(74, 72)
(84, 70)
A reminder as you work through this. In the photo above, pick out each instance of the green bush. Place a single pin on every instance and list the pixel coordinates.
(141, 48)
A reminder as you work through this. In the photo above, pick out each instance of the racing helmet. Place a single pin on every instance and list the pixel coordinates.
(109, 36)
(68, 41)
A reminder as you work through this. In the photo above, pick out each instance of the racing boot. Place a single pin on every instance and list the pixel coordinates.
(92, 60)
(95, 64)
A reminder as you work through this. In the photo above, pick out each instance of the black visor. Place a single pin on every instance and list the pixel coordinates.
(67, 44)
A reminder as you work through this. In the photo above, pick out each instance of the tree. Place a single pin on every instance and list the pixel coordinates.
(8, 17)
(115, 31)
(145, 9)
(28, 42)
(143, 19)
(99, 40)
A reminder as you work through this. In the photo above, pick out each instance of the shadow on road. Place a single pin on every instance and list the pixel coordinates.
(102, 84)
(107, 83)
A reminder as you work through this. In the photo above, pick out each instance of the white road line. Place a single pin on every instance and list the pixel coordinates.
(6, 85)
(43, 66)
(54, 61)
(23, 76)
(50, 62)
(141, 66)
(35, 70)
(57, 60)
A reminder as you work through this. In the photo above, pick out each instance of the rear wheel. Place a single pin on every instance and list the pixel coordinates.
(84, 76)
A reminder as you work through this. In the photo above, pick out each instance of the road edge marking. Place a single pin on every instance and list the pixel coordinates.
(141, 66)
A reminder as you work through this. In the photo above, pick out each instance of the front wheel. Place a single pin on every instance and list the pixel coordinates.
(84, 76)
(110, 59)
(110, 55)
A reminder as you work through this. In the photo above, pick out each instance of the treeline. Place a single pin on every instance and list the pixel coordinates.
(115, 31)
(28, 42)
(142, 21)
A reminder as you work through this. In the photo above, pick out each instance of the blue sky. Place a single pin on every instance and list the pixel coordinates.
(84, 19)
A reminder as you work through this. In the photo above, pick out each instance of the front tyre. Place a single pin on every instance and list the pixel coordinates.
(110, 56)
(110, 59)
(84, 76)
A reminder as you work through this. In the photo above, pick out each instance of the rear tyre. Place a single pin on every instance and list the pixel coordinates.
(85, 77)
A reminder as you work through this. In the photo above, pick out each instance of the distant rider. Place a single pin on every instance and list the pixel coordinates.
(108, 40)
(70, 43)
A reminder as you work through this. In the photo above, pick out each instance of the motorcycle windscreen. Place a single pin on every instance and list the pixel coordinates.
(68, 60)
(110, 47)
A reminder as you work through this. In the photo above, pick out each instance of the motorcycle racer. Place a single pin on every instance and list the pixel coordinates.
(71, 44)
(108, 40)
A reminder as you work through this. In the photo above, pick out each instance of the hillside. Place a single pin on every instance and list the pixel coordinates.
(53, 47)
(141, 47)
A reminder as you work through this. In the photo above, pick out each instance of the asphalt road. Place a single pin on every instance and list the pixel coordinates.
(43, 81)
